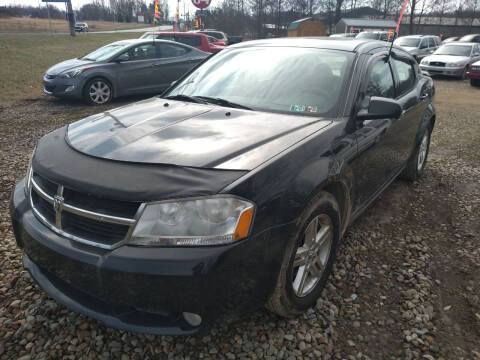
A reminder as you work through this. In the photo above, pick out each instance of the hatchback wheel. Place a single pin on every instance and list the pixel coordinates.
(475, 82)
(98, 91)
(308, 259)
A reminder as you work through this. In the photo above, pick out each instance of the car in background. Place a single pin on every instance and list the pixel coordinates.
(233, 39)
(450, 39)
(452, 59)
(473, 73)
(200, 41)
(418, 46)
(470, 38)
(374, 35)
(343, 35)
(219, 35)
(230, 192)
(81, 27)
(127, 67)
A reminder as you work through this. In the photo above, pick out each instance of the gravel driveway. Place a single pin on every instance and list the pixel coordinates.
(406, 282)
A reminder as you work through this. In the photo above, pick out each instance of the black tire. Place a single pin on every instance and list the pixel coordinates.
(413, 170)
(464, 73)
(474, 82)
(284, 300)
(90, 99)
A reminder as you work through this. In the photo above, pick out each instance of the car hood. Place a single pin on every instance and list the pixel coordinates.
(409, 49)
(68, 65)
(189, 134)
(447, 58)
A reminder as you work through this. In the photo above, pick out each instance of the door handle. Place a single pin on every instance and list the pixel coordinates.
(157, 64)
(423, 96)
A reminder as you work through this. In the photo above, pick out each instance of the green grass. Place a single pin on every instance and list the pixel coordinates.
(24, 58)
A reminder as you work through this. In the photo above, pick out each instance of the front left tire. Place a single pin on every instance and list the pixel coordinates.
(308, 258)
(98, 91)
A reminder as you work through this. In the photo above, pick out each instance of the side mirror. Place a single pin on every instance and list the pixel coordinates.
(122, 57)
(380, 108)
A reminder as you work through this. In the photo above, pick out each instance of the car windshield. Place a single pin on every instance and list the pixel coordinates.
(104, 52)
(408, 42)
(455, 50)
(374, 36)
(293, 80)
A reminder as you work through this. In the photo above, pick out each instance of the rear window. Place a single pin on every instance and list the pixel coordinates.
(189, 40)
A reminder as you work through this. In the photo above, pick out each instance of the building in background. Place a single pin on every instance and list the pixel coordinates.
(307, 27)
(346, 25)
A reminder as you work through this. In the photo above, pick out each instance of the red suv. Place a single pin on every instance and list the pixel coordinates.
(196, 40)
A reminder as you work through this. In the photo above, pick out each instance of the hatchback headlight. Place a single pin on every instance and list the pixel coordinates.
(212, 220)
(424, 62)
(72, 73)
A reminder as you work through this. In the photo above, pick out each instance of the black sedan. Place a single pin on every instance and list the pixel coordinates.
(127, 67)
(229, 192)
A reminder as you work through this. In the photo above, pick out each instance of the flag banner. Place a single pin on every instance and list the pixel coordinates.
(157, 14)
(401, 16)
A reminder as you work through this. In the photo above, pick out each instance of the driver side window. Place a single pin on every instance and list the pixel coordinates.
(379, 82)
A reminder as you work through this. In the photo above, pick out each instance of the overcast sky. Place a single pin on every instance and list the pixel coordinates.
(78, 3)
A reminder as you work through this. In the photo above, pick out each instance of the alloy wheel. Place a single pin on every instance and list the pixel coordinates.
(99, 92)
(422, 152)
(312, 256)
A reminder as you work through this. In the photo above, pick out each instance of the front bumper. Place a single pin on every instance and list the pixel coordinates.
(61, 87)
(440, 70)
(149, 289)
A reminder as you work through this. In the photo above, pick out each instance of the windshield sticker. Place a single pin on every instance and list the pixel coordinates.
(304, 108)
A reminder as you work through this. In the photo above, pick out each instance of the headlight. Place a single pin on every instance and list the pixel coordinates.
(72, 73)
(212, 220)
(454, 64)
(424, 62)
(28, 178)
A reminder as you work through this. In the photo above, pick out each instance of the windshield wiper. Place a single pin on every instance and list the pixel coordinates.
(223, 102)
(181, 97)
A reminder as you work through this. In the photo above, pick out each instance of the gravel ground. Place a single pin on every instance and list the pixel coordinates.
(406, 282)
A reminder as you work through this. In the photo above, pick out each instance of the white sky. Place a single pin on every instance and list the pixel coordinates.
(76, 4)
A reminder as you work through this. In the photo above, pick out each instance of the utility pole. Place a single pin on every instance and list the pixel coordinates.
(71, 18)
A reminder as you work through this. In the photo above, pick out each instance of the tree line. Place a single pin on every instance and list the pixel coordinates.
(261, 18)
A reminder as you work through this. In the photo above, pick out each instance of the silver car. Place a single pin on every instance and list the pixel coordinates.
(451, 59)
(418, 45)
(127, 67)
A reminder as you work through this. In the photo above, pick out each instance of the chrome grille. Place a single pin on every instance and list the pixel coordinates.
(82, 217)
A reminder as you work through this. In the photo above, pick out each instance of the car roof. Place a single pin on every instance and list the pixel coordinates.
(461, 43)
(141, 41)
(416, 36)
(174, 33)
(343, 44)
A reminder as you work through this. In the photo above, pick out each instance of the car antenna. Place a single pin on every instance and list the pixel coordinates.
(395, 34)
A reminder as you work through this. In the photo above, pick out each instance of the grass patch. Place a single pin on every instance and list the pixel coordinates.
(18, 24)
(25, 58)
